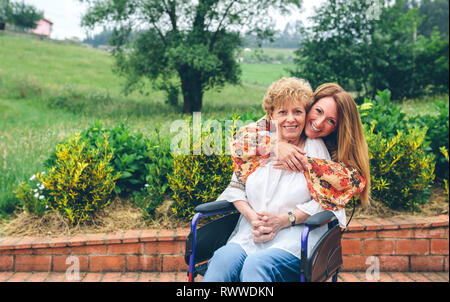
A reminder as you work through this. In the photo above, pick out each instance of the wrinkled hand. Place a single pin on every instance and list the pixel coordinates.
(266, 226)
(290, 157)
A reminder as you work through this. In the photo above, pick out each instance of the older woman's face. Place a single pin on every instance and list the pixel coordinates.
(322, 119)
(291, 120)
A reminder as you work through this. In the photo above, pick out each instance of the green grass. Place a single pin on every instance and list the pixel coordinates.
(422, 106)
(264, 73)
(55, 64)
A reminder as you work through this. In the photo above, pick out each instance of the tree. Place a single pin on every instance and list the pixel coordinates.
(436, 14)
(5, 10)
(24, 15)
(99, 39)
(364, 52)
(181, 43)
(336, 47)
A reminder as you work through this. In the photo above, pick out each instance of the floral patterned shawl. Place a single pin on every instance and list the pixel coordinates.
(331, 184)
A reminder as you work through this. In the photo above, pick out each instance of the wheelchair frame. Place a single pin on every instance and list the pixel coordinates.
(325, 259)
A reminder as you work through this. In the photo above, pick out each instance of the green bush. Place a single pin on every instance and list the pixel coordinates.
(197, 179)
(437, 135)
(444, 152)
(130, 155)
(386, 115)
(81, 181)
(33, 200)
(389, 118)
(402, 170)
(74, 100)
(157, 182)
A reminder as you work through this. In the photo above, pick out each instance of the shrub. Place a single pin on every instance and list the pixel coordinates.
(437, 135)
(33, 200)
(444, 152)
(130, 155)
(197, 179)
(69, 99)
(387, 116)
(77, 101)
(157, 182)
(81, 181)
(28, 87)
(402, 171)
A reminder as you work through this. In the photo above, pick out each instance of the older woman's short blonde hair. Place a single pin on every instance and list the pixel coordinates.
(288, 90)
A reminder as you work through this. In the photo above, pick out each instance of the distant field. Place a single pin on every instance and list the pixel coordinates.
(263, 73)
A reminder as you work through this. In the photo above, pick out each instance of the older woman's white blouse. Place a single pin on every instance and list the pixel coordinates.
(279, 191)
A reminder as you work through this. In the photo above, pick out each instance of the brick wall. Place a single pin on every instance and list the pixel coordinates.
(398, 245)
(142, 250)
(415, 244)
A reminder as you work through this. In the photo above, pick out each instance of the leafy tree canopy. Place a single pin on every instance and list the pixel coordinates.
(367, 46)
(182, 44)
(21, 14)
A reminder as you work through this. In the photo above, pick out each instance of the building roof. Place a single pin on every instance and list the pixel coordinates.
(46, 20)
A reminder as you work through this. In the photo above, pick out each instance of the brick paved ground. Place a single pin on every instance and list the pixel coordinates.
(181, 277)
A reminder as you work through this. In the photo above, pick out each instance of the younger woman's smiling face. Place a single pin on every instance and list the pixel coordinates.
(291, 120)
(322, 119)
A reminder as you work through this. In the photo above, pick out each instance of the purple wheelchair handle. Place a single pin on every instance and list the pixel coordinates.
(195, 219)
(304, 252)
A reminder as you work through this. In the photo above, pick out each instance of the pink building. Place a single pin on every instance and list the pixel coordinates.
(44, 27)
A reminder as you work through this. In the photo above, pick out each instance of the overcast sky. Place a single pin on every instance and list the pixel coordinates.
(66, 16)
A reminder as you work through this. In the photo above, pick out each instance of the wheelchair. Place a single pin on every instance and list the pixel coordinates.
(324, 261)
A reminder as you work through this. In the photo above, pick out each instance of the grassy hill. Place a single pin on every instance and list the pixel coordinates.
(51, 89)
(52, 65)
(56, 64)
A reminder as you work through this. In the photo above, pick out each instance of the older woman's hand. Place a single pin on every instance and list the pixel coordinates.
(290, 157)
(267, 226)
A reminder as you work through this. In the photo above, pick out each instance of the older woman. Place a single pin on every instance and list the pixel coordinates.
(265, 243)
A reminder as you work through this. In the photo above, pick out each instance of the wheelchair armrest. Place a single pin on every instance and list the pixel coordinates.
(214, 206)
(319, 219)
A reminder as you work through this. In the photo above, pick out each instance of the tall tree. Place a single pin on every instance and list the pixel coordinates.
(366, 48)
(5, 10)
(436, 14)
(181, 43)
(335, 48)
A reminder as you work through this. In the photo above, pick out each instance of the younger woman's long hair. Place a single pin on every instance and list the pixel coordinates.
(347, 143)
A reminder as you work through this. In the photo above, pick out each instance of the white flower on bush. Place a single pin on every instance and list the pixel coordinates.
(41, 197)
(146, 185)
(36, 195)
(33, 177)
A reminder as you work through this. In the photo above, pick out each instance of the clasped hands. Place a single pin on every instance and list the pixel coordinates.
(265, 226)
